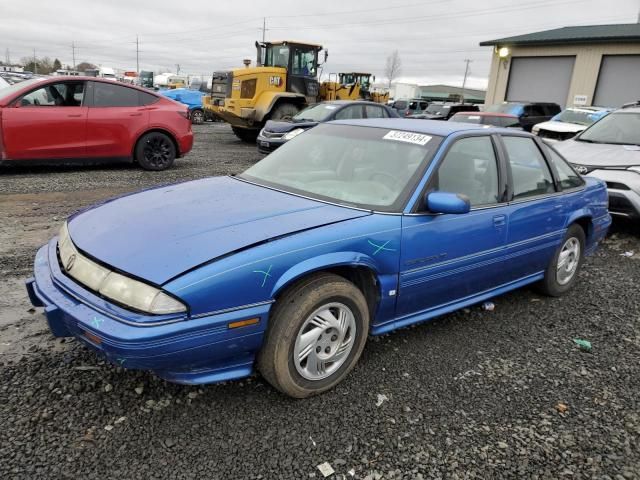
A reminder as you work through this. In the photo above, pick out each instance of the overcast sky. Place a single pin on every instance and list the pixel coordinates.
(433, 37)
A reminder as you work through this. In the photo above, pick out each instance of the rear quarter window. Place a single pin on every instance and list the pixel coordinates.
(146, 98)
(567, 177)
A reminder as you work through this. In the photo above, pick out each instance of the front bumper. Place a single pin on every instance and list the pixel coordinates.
(192, 350)
(623, 187)
(268, 144)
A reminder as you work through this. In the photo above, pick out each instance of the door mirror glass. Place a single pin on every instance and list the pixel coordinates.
(446, 202)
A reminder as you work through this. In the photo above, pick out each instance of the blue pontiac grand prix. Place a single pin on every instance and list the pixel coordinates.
(356, 227)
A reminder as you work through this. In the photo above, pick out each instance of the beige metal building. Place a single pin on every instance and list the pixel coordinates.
(587, 65)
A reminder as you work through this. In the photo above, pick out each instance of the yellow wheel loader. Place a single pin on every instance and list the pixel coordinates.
(351, 86)
(284, 82)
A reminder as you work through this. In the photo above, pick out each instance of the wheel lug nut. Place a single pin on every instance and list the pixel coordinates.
(334, 338)
(318, 349)
(327, 350)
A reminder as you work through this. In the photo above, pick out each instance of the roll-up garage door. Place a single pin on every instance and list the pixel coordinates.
(540, 79)
(618, 81)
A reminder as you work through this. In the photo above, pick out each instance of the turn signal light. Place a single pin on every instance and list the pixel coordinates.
(92, 338)
(244, 323)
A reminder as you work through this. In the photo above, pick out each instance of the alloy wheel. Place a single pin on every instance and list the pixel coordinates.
(324, 341)
(568, 261)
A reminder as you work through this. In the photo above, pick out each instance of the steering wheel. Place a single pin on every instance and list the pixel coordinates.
(386, 175)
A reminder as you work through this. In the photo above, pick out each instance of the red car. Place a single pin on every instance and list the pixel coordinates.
(92, 120)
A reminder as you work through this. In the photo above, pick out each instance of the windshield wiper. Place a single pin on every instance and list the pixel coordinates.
(586, 140)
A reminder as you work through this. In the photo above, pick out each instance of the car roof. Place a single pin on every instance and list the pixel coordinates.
(429, 127)
(488, 114)
(349, 102)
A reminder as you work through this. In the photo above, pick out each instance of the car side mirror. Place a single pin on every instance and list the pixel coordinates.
(446, 202)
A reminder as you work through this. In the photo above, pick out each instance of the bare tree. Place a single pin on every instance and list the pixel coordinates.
(394, 66)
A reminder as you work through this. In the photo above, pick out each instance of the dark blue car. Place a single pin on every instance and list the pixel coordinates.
(356, 227)
(277, 132)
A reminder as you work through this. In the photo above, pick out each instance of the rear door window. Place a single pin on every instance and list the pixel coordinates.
(375, 112)
(350, 112)
(112, 95)
(147, 98)
(529, 170)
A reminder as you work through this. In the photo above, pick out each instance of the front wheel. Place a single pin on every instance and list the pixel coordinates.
(245, 134)
(316, 335)
(284, 111)
(562, 273)
(155, 151)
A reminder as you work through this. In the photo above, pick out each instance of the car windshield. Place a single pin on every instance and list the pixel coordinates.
(466, 118)
(580, 117)
(10, 90)
(510, 108)
(400, 104)
(365, 167)
(438, 109)
(621, 128)
(316, 113)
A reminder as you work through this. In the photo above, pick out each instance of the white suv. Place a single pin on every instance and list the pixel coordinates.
(610, 150)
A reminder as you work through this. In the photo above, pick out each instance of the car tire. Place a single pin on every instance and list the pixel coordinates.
(155, 151)
(333, 342)
(284, 111)
(245, 134)
(562, 272)
(197, 116)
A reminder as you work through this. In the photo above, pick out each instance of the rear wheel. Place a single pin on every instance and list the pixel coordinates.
(155, 151)
(562, 273)
(197, 116)
(284, 111)
(245, 134)
(316, 335)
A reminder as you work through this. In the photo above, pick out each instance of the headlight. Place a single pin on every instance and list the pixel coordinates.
(117, 287)
(293, 133)
(635, 169)
(535, 130)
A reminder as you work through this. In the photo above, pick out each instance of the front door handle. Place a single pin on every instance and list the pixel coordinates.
(499, 220)
(75, 115)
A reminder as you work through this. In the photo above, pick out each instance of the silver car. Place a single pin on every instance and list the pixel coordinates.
(610, 150)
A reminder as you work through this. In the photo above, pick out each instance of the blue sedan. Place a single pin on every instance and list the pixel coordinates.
(357, 227)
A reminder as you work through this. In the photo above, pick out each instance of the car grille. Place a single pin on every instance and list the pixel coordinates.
(617, 186)
(555, 135)
(621, 205)
(583, 169)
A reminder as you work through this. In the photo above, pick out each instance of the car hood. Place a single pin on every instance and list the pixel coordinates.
(599, 154)
(160, 233)
(561, 127)
(284, 127)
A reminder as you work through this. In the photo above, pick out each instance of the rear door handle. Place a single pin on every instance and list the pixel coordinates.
(75, 115)
(499, 220)
(135, 114)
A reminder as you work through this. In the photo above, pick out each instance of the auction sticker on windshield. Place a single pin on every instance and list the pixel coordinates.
(408, 137)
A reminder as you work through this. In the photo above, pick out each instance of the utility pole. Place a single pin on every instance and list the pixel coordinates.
(177, 69)
(137, 56)
(466, 72)
(264, 27)
(73, 54)
(35, 64)
(7, 57)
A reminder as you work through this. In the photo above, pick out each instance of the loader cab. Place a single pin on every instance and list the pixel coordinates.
(300, 60)
(363, 79)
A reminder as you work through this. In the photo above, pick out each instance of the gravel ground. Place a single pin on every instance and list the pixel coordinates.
(474, 394)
